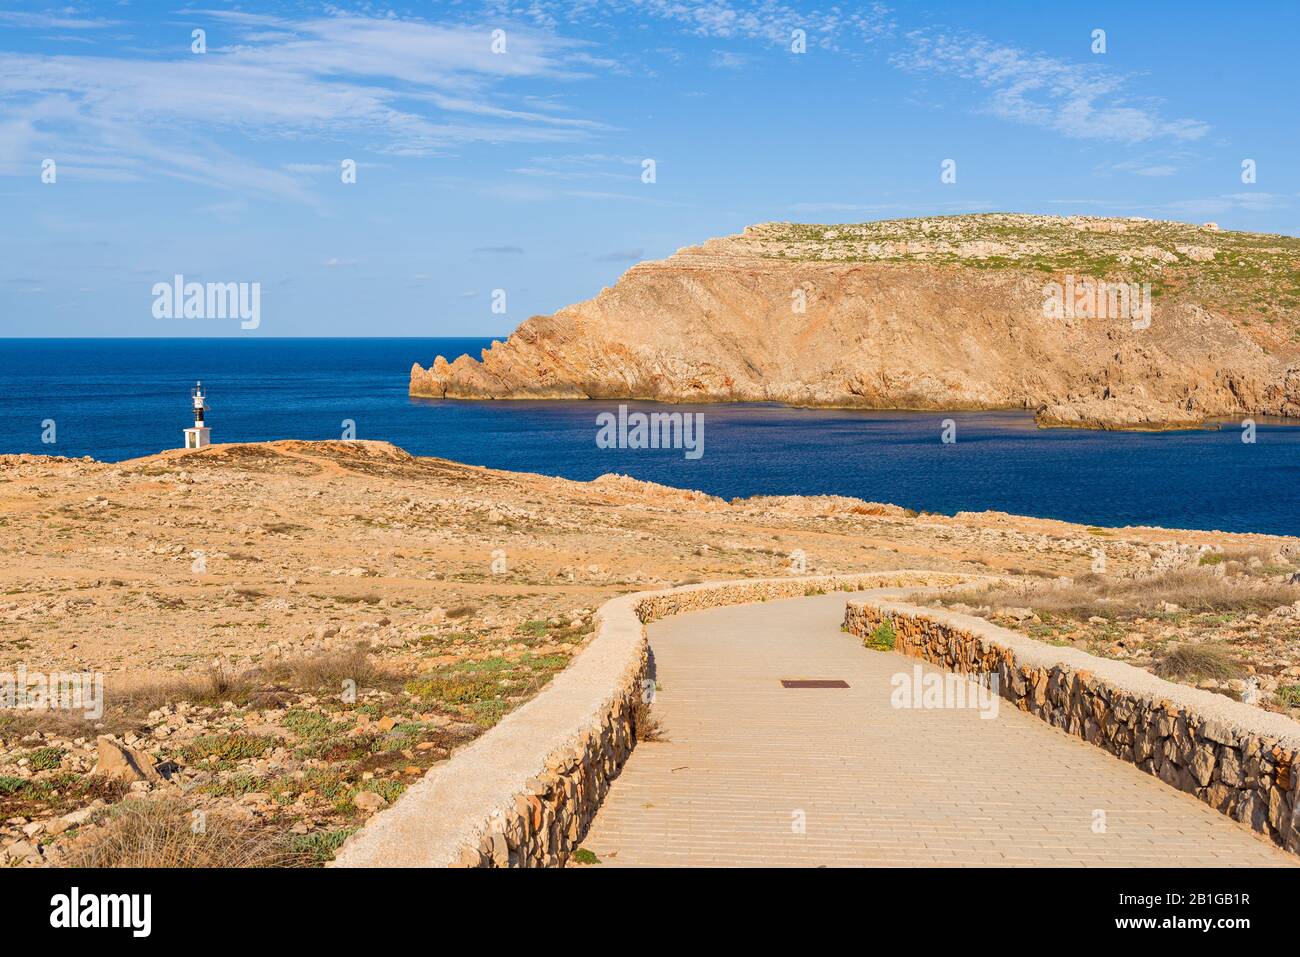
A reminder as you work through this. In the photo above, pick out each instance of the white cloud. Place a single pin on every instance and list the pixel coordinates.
(52, 21)
(1217, 205)
(729, 60)
(768, 20)
(582, 166)
(406, 87)
(618, 197)
(1082, 101)
(1194, 208)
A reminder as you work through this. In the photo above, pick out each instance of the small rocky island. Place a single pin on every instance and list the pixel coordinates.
(1089, 322)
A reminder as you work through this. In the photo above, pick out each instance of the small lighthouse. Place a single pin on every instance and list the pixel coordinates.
(198, 436)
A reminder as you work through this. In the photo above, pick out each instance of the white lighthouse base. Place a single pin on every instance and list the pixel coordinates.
(197, 438)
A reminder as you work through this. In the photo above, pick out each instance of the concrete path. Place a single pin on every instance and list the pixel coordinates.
(753, 773)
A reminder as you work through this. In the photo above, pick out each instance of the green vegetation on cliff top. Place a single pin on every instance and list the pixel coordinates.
(1253, 275)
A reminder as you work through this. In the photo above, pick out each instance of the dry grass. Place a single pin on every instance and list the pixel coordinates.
(1242, 556)
(1191, 589)
(211, 689)
(160, 833)
(314, 673)
(329, 671)
(1199, 661)
(645, 725)
(65, 724)
(127, 707)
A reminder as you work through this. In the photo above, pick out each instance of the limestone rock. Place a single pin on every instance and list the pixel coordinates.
(125, 763)
(913, 314)
(369, 801)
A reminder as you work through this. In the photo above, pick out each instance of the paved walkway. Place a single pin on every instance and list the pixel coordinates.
(747, 761)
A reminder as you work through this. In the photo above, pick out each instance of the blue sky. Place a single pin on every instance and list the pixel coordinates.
(522, 170)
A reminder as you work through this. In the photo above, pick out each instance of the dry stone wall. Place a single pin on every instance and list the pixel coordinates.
(1238, 759)
(549, 817)
(524, 794)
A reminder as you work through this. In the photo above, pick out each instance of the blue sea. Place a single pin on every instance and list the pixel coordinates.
(115, 399)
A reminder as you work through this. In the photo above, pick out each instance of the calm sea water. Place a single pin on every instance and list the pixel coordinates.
(119, 398)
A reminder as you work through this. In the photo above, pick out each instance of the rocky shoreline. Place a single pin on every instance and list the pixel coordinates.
(943, 313)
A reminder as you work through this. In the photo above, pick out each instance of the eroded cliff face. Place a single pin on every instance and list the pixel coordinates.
(942, 313)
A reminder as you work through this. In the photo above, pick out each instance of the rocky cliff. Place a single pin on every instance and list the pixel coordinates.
(1091, 322)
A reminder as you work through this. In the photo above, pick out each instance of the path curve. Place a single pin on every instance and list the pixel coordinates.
(746, 763)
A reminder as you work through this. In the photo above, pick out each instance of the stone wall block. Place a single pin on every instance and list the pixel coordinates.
(1249, 777)
(1202, 764)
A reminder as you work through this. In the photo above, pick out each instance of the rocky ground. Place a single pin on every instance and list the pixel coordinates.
(1228, 623)
(290, 633)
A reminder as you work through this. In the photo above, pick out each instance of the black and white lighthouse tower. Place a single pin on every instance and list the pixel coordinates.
(198, 436)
